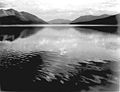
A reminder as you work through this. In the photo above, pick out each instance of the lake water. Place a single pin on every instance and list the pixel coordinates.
(74, 43)
(79, 42)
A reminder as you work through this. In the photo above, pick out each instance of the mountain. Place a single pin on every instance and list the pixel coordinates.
(59, 21)
(12, 16)
(102, 19)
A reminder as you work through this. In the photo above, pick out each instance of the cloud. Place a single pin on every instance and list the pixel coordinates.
(53, 4)
(2, 5)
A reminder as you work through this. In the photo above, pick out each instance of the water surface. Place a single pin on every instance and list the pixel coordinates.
(82, 43)
(66, 46)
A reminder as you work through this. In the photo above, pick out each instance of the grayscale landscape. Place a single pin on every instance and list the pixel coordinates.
(59, 46)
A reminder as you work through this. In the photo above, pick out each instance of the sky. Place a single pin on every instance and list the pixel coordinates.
(65, 9)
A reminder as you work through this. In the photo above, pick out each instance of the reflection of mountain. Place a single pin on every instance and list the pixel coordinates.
(107, 29)
(59, 21)
(102, 19)
(12, 16)
(12, 33)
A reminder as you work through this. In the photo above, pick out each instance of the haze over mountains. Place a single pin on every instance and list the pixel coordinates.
(59, 21)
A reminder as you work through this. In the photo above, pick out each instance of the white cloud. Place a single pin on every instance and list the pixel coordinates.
(56, 4)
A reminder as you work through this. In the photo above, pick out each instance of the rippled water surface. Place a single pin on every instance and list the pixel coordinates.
(71, 44)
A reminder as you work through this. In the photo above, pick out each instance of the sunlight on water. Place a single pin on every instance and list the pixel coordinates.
(71, 42)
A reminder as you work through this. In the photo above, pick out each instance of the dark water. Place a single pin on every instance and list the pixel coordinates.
(66, 59)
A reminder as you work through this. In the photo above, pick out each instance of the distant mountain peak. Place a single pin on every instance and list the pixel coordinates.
(59, 21)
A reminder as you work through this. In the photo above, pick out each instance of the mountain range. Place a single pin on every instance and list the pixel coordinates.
(11, 16)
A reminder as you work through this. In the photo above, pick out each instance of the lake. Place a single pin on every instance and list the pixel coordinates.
(69, 46)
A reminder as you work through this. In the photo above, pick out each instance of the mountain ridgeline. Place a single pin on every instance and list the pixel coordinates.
(11, 16)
